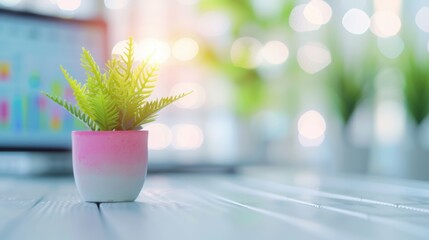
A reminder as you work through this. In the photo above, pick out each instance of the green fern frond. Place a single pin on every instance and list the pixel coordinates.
(105, 112)
(90, 66)
(149, 79)
(79, 92)
(73, 110)
(111, 73)
(128, 60)
(148, 112)
(143, 81)
(94, 76)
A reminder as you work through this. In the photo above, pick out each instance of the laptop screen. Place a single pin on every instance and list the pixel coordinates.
(32, 47)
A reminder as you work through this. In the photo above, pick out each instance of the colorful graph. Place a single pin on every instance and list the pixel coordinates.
(28, 110)
(4, 71)
(69, 121)
(34, 80)
(4, 113)
(17, 113)
(30, 66)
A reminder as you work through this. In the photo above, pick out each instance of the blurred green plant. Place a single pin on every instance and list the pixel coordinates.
(243, 12)
(248, 86)
(117, 99)
(416, 86)
(348, 86)
(250, 89)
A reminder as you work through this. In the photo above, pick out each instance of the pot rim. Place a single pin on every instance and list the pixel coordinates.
(90, 132)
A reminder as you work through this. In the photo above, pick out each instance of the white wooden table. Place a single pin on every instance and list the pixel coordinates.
(256, 205)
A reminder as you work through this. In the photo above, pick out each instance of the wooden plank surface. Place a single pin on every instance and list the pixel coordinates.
(49, 209)
(15, 201)
(253, 205)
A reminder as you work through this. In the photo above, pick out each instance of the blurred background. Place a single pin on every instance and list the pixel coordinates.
(332, 86)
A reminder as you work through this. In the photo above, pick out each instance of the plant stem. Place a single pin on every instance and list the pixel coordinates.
(123, 119)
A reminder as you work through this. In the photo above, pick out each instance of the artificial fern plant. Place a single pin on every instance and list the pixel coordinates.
(118, 98)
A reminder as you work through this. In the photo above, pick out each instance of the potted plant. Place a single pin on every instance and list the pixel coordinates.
(110, 160)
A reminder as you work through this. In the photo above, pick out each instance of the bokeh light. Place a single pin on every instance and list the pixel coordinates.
(158, 50)
(187, 136)
(298, 22)
(115, 4)
(214, 24)
(422, 19)
(318, 12)
(311, 129)
(390, 120)
(385, 24)
(311, 125)
(245, 52)
(119, 48)
(68, 5)
(160, 136)
(391, 47)
(194, 100)
(356, 21)
(275, 52)
(185, 49)
(313, 57)
(393, 6)
(188, 2)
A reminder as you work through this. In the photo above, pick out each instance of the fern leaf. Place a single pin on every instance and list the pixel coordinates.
(105, 112)
(130, 55)
(93, 74)
(127, 60)
(111, 73)
(148, 112)
(79, 92)
(113, 82)
(73, 110)
(89, 64)
(150, 119)
(118, 81)
(149, 79)
(143, 80)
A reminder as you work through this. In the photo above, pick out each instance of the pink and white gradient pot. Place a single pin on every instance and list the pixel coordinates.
(109, 166)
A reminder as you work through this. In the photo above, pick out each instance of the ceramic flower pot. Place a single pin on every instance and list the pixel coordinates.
(109, 166)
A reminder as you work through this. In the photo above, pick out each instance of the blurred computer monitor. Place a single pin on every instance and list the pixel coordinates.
(32, 47)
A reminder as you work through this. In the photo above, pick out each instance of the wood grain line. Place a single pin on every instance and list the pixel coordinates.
(316, 229)
(411, 229)
(320, 193)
